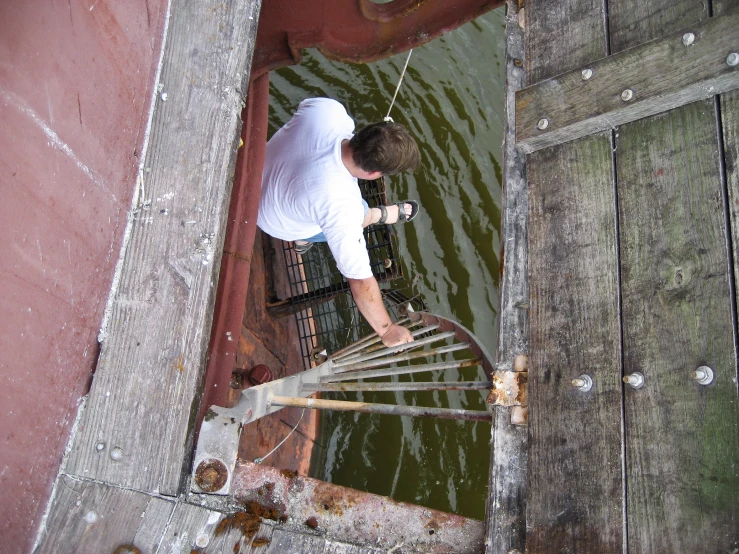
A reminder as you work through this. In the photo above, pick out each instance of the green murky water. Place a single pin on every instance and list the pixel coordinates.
(452, 100)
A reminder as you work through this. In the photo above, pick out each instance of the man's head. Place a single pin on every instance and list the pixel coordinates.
(384, 147)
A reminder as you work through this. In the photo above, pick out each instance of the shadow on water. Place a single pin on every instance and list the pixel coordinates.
(452, 100)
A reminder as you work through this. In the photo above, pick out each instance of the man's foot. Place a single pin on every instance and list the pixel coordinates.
(389, 215)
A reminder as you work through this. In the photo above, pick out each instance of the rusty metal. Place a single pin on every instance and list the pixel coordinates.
(402, 370)
(402, 358)
(509, 388)
(386, 409)
(260, 374)
(354, 516)
(211, 475)
(413, 386)
(357, 31)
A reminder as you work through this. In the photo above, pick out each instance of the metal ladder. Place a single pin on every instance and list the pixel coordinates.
(346, 370)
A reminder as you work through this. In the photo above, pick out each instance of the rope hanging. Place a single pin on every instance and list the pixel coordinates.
(402, 74)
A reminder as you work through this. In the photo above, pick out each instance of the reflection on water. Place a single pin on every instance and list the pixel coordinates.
(452, 100)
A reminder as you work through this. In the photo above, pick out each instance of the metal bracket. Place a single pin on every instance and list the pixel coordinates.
(510, 389)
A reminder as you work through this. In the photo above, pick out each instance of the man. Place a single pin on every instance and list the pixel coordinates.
(310, 194)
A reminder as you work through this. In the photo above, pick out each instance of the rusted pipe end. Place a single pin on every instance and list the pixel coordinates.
(211, 475)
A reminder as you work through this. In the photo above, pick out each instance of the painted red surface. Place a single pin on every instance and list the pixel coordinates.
(357, 31)
(75, 88)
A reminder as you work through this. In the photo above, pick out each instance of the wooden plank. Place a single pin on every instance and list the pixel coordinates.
(505, 519)
(631, 23)
(662, 75)
(194, 528)
(88, 517)
(730, 127)
(286, 542)
(344, 548)
(682, 445)
(562, 35)
(575, 443)
(137, 429)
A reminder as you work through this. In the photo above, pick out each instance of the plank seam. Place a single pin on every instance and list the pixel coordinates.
(619, 308)
(727, 217)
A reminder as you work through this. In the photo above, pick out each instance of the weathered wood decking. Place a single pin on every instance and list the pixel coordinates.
(632, 263)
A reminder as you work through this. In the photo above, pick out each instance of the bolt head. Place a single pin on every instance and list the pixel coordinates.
(703, 375)
(100, 446)
(587, 74)
(732, 60)
(91, 517)
(202, 540)
(627, 95)
(542, 124)
(688, 39)
(211, 475)
(116, 454)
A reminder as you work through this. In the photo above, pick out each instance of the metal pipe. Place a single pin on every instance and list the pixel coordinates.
(372, 338)
(403, 370)
(414, 334)
(407, 346)
(395, 386)
(403, 357)
(388, 409)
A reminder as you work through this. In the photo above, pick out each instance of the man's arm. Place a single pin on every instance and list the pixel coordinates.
(368, 298)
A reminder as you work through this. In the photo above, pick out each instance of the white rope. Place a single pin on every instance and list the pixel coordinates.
(402, 74)
(268, 454)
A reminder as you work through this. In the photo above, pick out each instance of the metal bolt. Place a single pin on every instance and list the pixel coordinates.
(627, 95)
(703, 375)
(116, 454)
(202, 541)
(542, 124)
(584, 383)
(211, 475)
(635, 380)
(688, 39)
(387, 263)
(732, 60)
(587, 74)
(100, 446)
(91, 517)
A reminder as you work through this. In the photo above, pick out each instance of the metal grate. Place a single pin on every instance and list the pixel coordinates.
(325, 312)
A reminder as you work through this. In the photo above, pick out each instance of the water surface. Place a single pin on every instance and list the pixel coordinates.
(452, 101)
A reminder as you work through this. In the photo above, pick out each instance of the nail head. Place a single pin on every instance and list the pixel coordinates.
(91, 517)
(732, 60)
(587, 74)
(202, 541)
(627, 95)
(116, 453)
(542, 124)
(688, 39)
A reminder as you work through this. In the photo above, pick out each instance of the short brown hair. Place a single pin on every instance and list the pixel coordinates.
(385, 147)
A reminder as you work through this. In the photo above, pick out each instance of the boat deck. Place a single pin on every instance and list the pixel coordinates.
(621, 204)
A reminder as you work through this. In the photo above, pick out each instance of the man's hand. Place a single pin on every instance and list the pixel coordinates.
(395, 335)
(367, 296)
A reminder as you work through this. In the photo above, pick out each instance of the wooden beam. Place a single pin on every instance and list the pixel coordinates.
(137, 429)
(661, 75)
(505, 511)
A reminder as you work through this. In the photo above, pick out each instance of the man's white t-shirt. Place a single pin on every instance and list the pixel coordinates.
(307, 189)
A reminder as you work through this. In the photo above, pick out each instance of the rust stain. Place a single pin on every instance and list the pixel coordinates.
(179, 364)
(256, 543)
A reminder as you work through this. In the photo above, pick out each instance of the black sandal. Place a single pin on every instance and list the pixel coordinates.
(402, 217)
